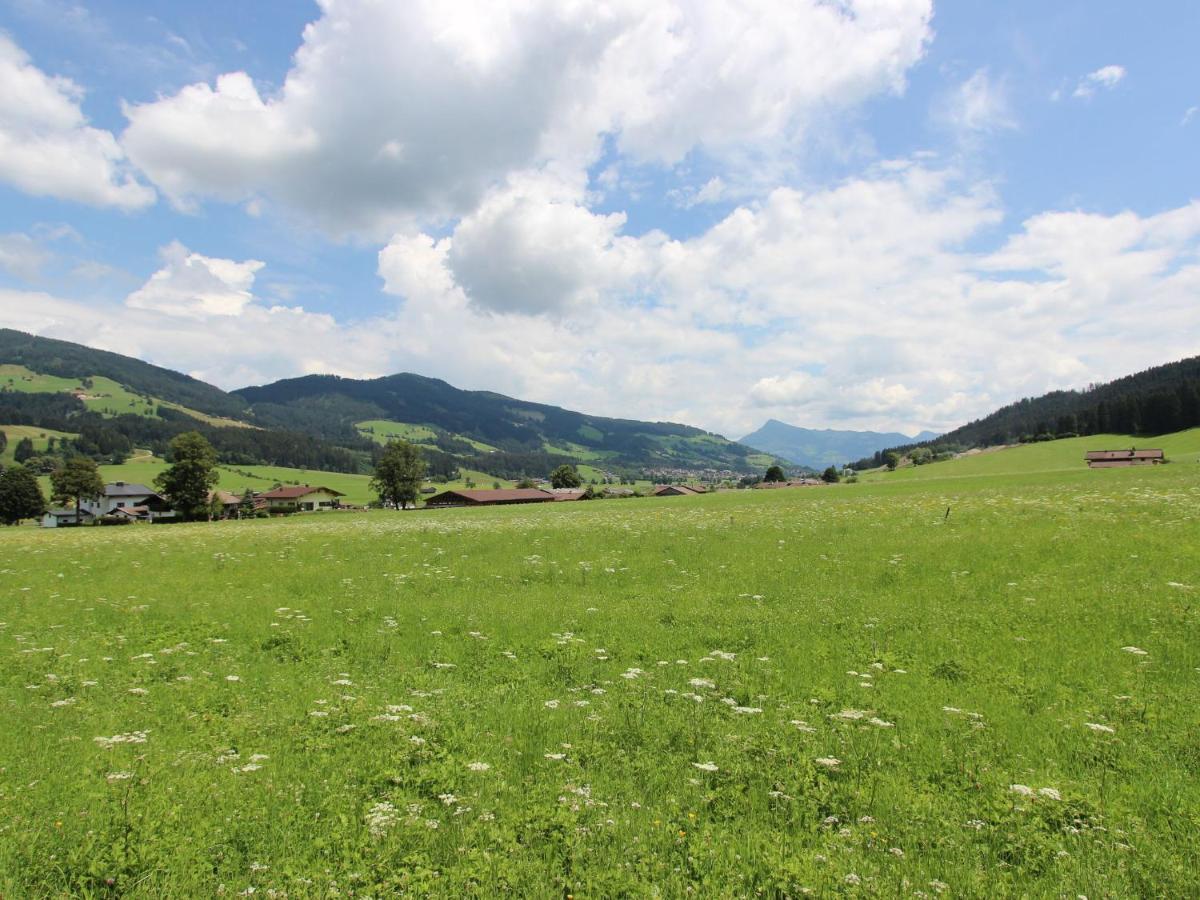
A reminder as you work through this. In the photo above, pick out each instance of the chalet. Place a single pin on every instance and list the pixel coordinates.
(504, 496)
(121, 495)
(675, 490)
(1112, 459)
(301, 498)
(229, 502)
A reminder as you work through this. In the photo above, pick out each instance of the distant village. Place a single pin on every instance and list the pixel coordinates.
(130, 502)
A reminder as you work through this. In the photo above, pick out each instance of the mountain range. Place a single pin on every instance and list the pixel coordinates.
(818, 448)
(328, 422)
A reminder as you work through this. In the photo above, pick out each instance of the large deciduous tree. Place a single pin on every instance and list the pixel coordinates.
(20, 496)
(190, 477)
(565, 477)
(74, 481)
(774, 473)
(398, 474)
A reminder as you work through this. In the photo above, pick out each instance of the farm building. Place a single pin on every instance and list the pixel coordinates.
(803, 482)
(301, 498)
(472, 497)
(675, 490)
(1112, 459)
(55, 518)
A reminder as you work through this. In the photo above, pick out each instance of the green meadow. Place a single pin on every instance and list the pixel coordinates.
(979, 678)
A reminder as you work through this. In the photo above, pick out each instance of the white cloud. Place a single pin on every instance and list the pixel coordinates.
(862, 306)
(22, 256)
(1189, 115)
(1105, 78)
(978, 105)
(196, 286)
(46, 146)
(394, 115)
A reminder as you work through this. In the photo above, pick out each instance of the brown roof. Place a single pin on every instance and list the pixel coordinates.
(504, 495)
(225, 497)
(294, 491)
(560, 495)
(1123, 454)
(675, 489)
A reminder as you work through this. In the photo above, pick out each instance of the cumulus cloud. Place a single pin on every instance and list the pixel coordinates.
(868, 304)
(196, 286)
(47, 147)
(395, 115)
(1104, 78)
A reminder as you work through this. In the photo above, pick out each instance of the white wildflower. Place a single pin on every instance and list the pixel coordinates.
(555, 756)
(1136, 651)
(1023, 789)
(1050, 793)
(705, 766)
(1103, 729)
(233, 677)
(551, 704)
(133, 737)
(829, 762)
(479, 766)
(380, 818)
(114, 777)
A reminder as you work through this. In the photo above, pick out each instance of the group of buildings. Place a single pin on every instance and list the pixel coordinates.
(132, 502)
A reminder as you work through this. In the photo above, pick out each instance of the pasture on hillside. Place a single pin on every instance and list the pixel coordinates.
(761, 693)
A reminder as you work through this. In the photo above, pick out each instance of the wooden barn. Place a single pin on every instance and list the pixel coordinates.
(1113, 459)
(504, 496)
(675, 490)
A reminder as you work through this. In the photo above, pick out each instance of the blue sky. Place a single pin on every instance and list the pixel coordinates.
(878, 213)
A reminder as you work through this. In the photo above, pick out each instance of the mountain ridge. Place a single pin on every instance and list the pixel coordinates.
(325, 421)
(820, 447)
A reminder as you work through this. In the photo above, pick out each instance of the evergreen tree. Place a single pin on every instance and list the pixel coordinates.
(830, 475)
(246, 506)
(190, 477)
(76, 480)
(20, 496)
(398, 474)
(23, 450)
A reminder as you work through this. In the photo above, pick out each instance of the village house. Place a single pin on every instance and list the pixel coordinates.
(124, 500)
(1112, 459)
(301, 498)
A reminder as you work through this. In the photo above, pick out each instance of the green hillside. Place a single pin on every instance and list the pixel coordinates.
(1044, 456)
(334, 424)
(489, 431)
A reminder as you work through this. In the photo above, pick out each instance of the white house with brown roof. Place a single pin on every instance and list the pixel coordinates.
(301, 498)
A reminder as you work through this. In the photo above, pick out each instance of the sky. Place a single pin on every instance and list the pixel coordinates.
(884, 214)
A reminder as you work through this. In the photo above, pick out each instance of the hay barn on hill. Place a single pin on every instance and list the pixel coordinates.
(1112, 459)
(489, 497)
(675, 490)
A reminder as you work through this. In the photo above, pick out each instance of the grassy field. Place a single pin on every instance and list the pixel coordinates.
(1049, 456)
(761, 693)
